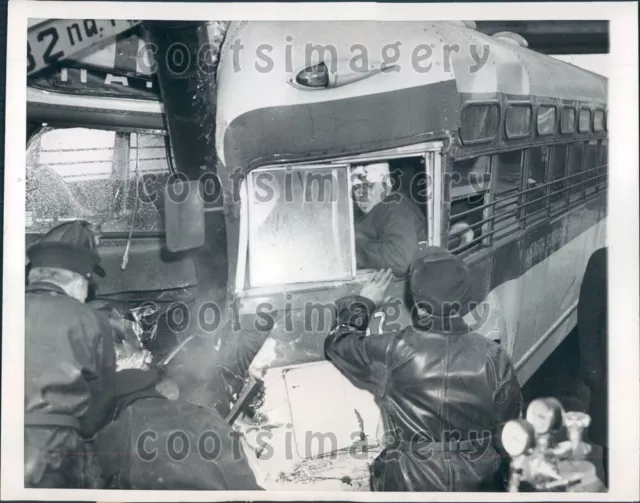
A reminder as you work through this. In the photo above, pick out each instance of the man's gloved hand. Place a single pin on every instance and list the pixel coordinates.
(131, 357)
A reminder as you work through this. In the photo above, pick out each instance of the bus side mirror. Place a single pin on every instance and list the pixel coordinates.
(184, 215)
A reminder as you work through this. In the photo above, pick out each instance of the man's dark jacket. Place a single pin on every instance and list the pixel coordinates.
(388, 237)
(155, 443)
(592, 333)
(436, 385)
(69, 364)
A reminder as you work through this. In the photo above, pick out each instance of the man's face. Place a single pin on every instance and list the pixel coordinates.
(366, 194)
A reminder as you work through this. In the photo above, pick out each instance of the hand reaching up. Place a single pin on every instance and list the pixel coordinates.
(376, 287)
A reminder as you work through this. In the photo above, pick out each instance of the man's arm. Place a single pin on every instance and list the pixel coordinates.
(366, 361)
(101, 382)
(398, 243)
(592, 310)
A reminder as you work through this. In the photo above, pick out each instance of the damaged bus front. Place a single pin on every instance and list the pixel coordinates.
(98, 149)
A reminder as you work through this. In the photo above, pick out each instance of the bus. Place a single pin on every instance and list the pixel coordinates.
(510, 143)
(503, 149)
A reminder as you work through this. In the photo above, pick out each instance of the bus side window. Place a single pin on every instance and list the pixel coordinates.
(576, 185)
(469, 192)
(535, 186)
(558, 174)
(507, 169)
(591, 167)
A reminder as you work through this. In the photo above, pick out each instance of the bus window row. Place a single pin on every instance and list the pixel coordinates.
(493, 196)
(481, 121)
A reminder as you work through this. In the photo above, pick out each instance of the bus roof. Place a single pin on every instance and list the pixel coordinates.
(438, 66)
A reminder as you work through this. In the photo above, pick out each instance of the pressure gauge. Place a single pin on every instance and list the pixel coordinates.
(518, 437)
(545, 415)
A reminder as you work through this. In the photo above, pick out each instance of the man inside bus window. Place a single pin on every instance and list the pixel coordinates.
(390, 226)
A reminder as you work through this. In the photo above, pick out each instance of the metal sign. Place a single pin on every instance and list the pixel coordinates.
(53, 40)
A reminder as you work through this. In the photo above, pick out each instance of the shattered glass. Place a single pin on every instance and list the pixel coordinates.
(86, 174)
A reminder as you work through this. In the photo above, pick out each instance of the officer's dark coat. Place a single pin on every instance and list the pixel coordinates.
(69, 371)
(444, 393)
(156, 443)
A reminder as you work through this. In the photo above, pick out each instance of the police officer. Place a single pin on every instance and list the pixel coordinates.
(444, 392)
(70, 361)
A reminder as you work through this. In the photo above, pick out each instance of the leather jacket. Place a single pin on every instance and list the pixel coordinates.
(444, 393)
(69, 371)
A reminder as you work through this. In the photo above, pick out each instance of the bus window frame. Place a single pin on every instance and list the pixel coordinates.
(480, 249)
(518, 195)
(487, 240)
(555, 208)
(533, 218)
(433, 164)
(515, 105)
(555, 120)
(448, 199)
(589, 127)
(599, 111)
(568, 108)
(422, 150)
(473, 103)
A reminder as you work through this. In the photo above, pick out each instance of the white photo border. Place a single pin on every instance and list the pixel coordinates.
(624, 253)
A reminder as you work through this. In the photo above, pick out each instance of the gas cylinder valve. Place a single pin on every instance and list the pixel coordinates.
(576, 424)
(541, 465)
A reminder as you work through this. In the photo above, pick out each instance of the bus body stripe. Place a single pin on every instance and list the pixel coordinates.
(340, 127)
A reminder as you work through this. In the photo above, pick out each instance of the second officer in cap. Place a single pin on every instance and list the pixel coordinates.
(444, 391)
(70, 360)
